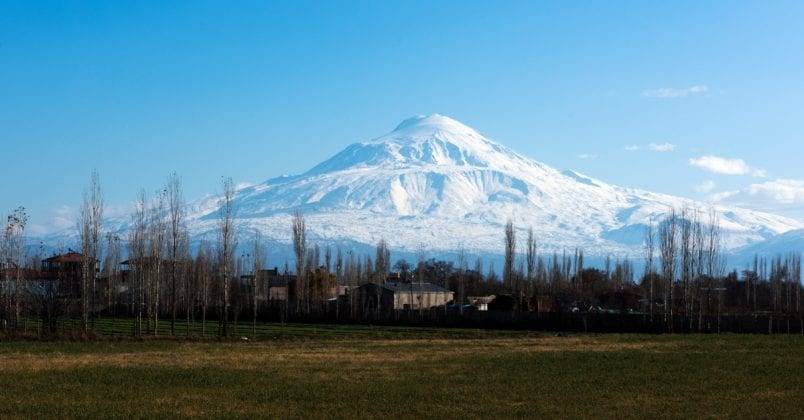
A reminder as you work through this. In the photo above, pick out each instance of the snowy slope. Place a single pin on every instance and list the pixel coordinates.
(436, 182)
(792, 241)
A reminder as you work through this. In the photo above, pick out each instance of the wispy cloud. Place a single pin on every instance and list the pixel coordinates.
(587, 156)
(63, 217)
(653, 147)
(726, 166)
(779, 195)
(674, 93)
(706, 187)
(785, 191)
(662, 148)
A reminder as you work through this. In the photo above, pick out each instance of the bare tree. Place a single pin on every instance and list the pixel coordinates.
(338, 280)
(339, 264)
(699, 270)
(382, 262)
(328, 259)
(381, 268)
(421, 268)
(687, 256)
(257, 260)
(531, 258)
(668, 250)
(462, 268)
(156, 253)
(797, 277)
(5, 309)
(716, 263)
(202, 265)
(5, 303)
(111, 269)
(185, 273)
(14, 255)
(478, 274)
(649, 254)
(89, 229)
(137, 258)
(579, 261)
(510, 255)
(300, 249)
(227, 238)
(175, 199)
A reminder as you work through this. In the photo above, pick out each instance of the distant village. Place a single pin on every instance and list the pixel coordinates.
(153, 279)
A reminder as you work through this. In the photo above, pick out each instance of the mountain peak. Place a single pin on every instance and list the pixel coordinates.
(423, 140)
(432, 121)
(431, 125)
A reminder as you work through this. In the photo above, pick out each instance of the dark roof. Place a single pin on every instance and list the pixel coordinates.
(146, 260)
(278, 283)
(270, 272)
(414, 287)
(274, 279)
(68, 257)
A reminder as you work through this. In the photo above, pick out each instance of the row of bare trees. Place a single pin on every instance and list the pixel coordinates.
(164, 276)
(690, 263)
(684, 283)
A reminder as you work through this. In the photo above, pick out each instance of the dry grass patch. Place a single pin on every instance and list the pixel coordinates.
(543, 376)
(252, 356)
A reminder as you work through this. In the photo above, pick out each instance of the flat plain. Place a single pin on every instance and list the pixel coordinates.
(303, 371)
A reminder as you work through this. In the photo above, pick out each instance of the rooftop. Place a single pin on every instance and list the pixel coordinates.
(415, 287)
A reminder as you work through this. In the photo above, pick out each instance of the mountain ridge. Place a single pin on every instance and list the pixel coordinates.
(435, 181)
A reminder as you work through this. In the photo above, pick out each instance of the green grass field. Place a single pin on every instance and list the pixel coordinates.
(298, 371)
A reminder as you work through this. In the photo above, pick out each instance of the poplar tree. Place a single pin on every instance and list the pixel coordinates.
(299, 228)
(510, 250)
(175, 199)
(226, 245)
(89, 230)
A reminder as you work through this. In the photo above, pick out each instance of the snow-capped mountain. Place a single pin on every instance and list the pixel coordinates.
(436, 183)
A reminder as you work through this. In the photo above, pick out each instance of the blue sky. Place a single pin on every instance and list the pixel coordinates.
(700, 99)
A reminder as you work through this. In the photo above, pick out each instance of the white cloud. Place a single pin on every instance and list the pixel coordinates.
(705, 186)
(726, 166)
(114, 211)
(63, 217)
(724, 195)
(66, 218)
(653, 147)
(785, 191)
(37, 230)
(662, 148)
(780, 195)
(673, 93)
(587, 156)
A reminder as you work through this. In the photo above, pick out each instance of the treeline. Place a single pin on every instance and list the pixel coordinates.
(153, 276)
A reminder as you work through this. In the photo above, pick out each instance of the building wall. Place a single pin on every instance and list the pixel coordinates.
(278, 293)
(421, 300)
(373, 301)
